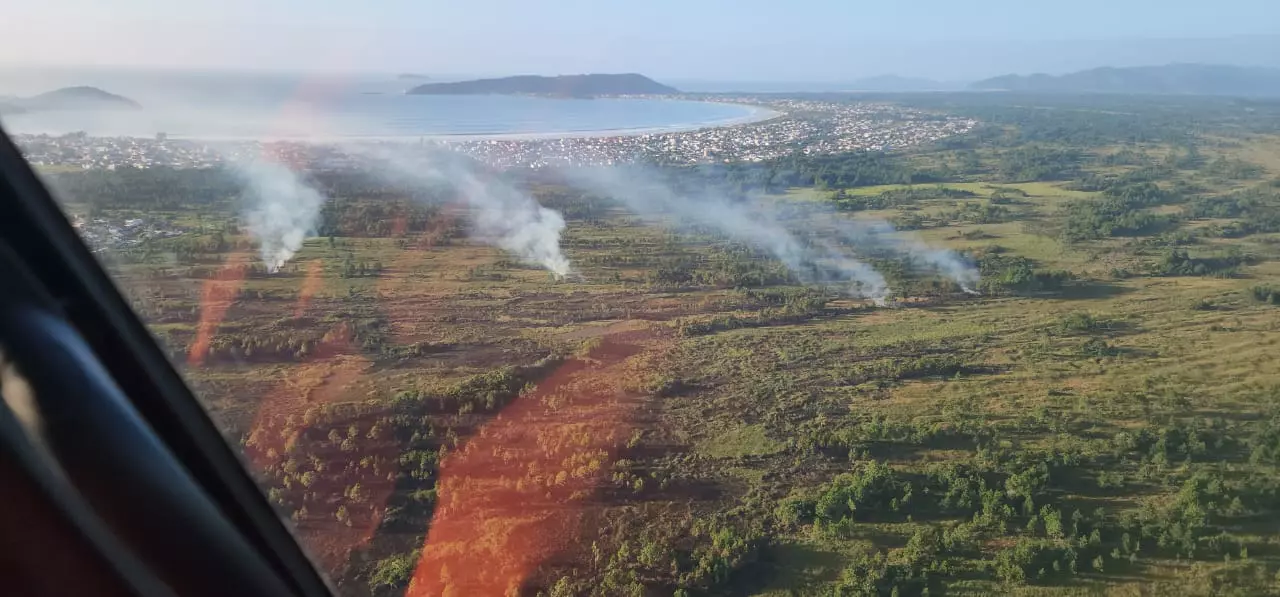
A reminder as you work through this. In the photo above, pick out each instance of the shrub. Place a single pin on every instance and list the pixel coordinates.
(874, 489)
(391, 575)
(1266, 294)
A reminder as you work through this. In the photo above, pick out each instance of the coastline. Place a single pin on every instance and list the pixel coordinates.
(722, 135)
(756, 114)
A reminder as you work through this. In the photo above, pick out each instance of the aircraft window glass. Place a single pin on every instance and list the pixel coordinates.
(827, 332)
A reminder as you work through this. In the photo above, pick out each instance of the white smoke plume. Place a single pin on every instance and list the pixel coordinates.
(815, 261)
(514, 222)
(880, 235)
(282, 209)
(828, 253)
(501, 215)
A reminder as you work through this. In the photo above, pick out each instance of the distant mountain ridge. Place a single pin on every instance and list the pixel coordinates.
(560, 86)
(68, 98)
(1188, 79)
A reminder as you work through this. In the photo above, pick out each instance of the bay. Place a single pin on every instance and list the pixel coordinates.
(220, 105)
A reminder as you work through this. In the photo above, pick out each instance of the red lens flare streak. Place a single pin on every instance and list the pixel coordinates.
(510, 497)
(514, 495)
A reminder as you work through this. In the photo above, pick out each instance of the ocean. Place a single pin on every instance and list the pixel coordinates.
(222, 105)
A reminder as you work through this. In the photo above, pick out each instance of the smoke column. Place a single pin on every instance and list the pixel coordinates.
(827, 255)
(880, 235)
(283, 210)
(514, 222)
(501, 215)
(815, 262)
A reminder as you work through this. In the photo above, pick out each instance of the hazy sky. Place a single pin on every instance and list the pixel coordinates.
(751, 40)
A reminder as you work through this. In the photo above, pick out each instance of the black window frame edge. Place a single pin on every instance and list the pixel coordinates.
(39, 232)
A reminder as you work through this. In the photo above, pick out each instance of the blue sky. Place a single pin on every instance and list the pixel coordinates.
(816, 40)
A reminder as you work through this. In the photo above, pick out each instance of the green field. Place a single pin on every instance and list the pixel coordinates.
(1101, 419)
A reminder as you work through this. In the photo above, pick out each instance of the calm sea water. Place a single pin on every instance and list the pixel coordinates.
(231, 105)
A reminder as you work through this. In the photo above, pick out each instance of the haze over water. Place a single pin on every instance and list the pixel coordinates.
(232, 105)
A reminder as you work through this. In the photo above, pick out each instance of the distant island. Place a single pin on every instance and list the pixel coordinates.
(561, 86)
(1190, 79)
(412, 77)
(68, 98)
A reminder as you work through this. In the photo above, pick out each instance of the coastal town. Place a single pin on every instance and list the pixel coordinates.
(103, 233)
(788, 126)
(809, 127)
(80, 150)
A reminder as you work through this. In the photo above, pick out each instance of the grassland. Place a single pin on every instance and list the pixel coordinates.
(458, 418)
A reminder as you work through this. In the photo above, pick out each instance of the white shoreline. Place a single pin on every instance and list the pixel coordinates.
(757, 114)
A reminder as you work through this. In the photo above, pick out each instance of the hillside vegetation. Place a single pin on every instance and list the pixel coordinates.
(1194, 79)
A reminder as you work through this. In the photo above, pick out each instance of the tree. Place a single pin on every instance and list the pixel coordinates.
(356, 493)
(391, 575)
(562, 588)
(1052, 522)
